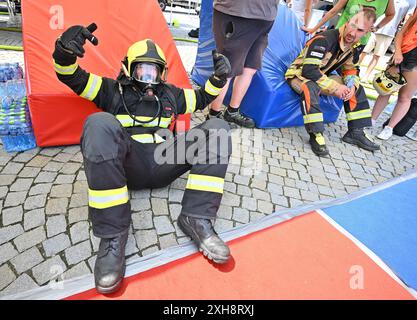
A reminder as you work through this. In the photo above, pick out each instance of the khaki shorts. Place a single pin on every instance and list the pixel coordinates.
(379, 43)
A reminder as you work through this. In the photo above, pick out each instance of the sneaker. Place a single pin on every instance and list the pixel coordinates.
(359, 138)
(220, 115)
(318, 144)
(239, 119)
(206, 239)
(385, 134)
(194, 33)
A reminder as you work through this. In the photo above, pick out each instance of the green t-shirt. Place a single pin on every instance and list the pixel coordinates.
(354, 6)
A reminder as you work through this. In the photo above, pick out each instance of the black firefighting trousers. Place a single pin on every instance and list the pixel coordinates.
(114, 163)
(358, 112)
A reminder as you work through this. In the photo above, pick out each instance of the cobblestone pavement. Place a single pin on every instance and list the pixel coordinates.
(44, 229)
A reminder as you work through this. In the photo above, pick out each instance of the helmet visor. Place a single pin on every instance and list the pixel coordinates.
(147, 73)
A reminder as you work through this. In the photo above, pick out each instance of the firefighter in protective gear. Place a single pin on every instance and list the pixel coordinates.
(311, 74)
(128, 146)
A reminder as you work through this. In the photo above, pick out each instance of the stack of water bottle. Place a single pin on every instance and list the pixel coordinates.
(15, 126)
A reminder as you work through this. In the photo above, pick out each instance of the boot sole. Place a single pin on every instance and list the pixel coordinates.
(358, 143)
(201, 247)
(114, 288)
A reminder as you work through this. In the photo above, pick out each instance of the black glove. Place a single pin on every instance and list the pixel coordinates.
(73, 39)
(222, 66)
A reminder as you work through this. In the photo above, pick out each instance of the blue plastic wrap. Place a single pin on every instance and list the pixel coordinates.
(269, 101)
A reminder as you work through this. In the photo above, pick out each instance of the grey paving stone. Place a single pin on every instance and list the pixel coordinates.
(27, 260)
(33, 219)
(50, 152)
(44, 177)
(179, 184)
(22, 284)
(29, 172)
(3, 192)
(78, 270)
(52, 268)
(167, 241)
(174, 211)
(175, 195)
(309, 196)
(7, 276)
(92, 262)
(29, 239)
(81, 187)
(7, 179)
(221, 225)
(159, 206)
(146, 238)
(241, 215)
(78, 253)
(57, 206)
(255, 216)
(131, 247)
(244, 191)
(14, 199)
(81, 176)
(275, 179)
(63, 157)
(163, 225)
(243, 180)
(265, 207)
(258, 184)
(70, 168)
(21, 184)
(79, 200)
(326, 191)
(53, 166)
(61, 191)
(34, 202)
(12, 215)
(249, 204)
(41, 188)
(160, 193)
(140, 204)
(295, 203)
(7, 252)
(65, 178)
(230, 187)
(141, 194)
(55, 225)
(12, 168)
(78, 157)
(230, 199)
(10, 232)
(78, 214)
(80, 232)
(142, 220)
(150, 250)
(38, 161)
(55, 245)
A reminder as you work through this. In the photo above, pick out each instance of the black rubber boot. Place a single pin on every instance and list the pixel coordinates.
(318, 144)
(359, 138)
(239, 119)
(110, 265)
(207, 240)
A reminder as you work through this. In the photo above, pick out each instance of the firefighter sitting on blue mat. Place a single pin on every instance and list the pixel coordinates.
(122, 149)
(311, 75)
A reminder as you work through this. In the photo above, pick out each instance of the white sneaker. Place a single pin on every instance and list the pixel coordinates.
(386, 133)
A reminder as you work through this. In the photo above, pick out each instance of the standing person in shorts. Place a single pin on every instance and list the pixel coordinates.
(380, 41)
(405, 57)
(241, 33)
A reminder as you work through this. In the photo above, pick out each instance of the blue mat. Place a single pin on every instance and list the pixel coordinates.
(386, 222)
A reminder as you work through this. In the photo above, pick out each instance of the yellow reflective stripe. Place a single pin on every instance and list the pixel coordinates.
(148, 138)
(103, 199)
(313, 117)
(356, 115)
(65, 70)
(211, 89)
(128, 122)
(312, 61)
(92, 87)
(190, 100)
(325, 83)
(205, 183)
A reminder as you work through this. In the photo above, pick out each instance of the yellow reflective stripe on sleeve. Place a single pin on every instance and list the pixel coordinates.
(190, 100)
(313, 117)
(93, 86)
(103, 199)
(211, 89)
(311, 61)
(128, 122)
(356, 115)
(148, 138)
(325, 83)
(205, 183)
(65, 70)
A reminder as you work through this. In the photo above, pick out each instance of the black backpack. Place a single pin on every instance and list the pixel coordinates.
(407, 122)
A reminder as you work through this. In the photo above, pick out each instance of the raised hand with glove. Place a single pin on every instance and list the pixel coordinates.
(222, 67)
(73, 39)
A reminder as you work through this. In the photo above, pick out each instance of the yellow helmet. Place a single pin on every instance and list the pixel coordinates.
(145, 51)
(386, 83)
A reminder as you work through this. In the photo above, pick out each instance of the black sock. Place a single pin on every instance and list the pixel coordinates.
(232, 110)
(214, 112)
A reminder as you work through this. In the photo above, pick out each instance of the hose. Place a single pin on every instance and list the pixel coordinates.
(12, 48)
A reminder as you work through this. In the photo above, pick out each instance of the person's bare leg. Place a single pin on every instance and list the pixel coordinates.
(361, 57)
(380, 104)
(241, 86)
(371, 66)
(217, 104)
(404, 98)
